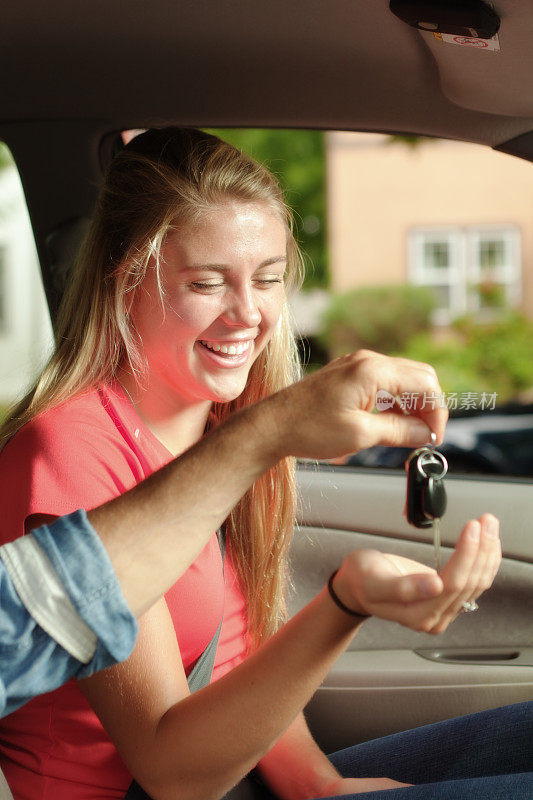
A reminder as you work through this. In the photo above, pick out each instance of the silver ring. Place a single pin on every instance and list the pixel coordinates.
(429, 456)
(470, 605)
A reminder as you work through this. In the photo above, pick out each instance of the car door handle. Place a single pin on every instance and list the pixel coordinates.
(519, 657)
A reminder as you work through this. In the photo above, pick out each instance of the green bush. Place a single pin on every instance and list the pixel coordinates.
(382, 318)
(496, 357)
(456, 364)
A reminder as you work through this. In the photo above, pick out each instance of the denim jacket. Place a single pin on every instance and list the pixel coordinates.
(62, 611)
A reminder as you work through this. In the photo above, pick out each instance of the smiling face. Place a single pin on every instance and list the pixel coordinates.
(223, 282)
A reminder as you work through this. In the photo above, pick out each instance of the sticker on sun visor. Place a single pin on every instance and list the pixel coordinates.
(466, 41)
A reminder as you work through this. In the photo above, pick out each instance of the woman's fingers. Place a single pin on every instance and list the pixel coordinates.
(400, 589)
(496, 559)
(457, 570)
(485, 567)
(471, 569)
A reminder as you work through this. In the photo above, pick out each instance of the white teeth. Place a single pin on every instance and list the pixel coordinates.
(230, 349)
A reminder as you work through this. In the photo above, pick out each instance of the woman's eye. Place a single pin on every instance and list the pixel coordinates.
(206, 285)
(213, 285)
(270, 280)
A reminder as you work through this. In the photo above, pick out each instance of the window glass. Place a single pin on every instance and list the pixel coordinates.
(25, 329)
(495, 267)
(491, 254)
(436, 254)
(481, 267)
(427, 263)
(408, 255)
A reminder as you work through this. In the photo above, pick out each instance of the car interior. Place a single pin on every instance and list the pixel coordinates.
(75, 75)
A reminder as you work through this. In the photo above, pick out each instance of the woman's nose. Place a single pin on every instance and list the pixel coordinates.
(243, 309)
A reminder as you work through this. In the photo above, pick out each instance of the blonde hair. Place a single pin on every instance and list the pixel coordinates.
(161, 178)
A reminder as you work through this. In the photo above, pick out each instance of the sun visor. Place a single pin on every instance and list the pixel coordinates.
(489, 75)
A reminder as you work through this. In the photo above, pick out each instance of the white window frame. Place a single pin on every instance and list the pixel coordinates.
(452, 277)
(509, 275)
(464, 271)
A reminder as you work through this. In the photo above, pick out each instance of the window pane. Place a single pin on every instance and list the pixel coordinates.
(491, 254)
(437, 254)
(399, 265)
(394, 234)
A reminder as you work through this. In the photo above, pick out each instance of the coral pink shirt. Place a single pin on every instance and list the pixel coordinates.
(80, 455)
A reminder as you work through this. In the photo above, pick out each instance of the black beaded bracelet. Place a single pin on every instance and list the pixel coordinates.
(339, 603)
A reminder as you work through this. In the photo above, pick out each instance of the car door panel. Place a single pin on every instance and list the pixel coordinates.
(392, 678)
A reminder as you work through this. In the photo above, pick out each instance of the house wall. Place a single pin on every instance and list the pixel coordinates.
(378, 191)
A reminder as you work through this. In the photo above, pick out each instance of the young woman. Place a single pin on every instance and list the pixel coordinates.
(175, 321)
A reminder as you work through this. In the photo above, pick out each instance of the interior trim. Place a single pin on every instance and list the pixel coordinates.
(338, 497)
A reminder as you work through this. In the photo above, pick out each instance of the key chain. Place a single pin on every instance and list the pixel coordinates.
(426, 494)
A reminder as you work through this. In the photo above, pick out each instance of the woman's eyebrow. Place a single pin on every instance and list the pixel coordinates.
(225, 267)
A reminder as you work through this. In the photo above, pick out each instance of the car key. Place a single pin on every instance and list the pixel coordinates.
(426, 494)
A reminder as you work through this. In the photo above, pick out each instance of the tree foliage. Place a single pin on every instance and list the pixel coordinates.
(412, 142)
(382, 318)
(297, 158)
(476, 357)
(470, 356)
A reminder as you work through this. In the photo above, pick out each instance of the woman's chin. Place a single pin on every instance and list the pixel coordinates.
(226, 394)
(226, 397)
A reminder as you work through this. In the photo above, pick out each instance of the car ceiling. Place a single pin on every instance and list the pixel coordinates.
(334, 64)
(72, 72)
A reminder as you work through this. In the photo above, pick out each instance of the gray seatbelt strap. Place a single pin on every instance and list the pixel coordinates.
(199, 676)
(5, 791)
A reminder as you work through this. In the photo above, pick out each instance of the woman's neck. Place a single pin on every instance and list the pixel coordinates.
(177, 424)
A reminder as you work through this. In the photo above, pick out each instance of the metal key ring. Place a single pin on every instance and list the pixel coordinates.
(414, 454)
(431, 457)
(429, 449)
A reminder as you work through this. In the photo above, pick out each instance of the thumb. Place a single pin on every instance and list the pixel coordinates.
(407, 588)
(399, 430)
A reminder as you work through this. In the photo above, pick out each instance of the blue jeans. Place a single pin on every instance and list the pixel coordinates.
(483, 756)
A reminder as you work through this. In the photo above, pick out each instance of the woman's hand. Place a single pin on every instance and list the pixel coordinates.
(329, 413)
(402, 590)
(348, 786)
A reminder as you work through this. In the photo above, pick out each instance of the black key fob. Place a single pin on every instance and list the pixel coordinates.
(426, 495)
(434, 498)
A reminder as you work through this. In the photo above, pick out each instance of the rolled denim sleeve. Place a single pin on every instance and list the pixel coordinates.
(31, 661)
(82, 564)
(63, 613)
